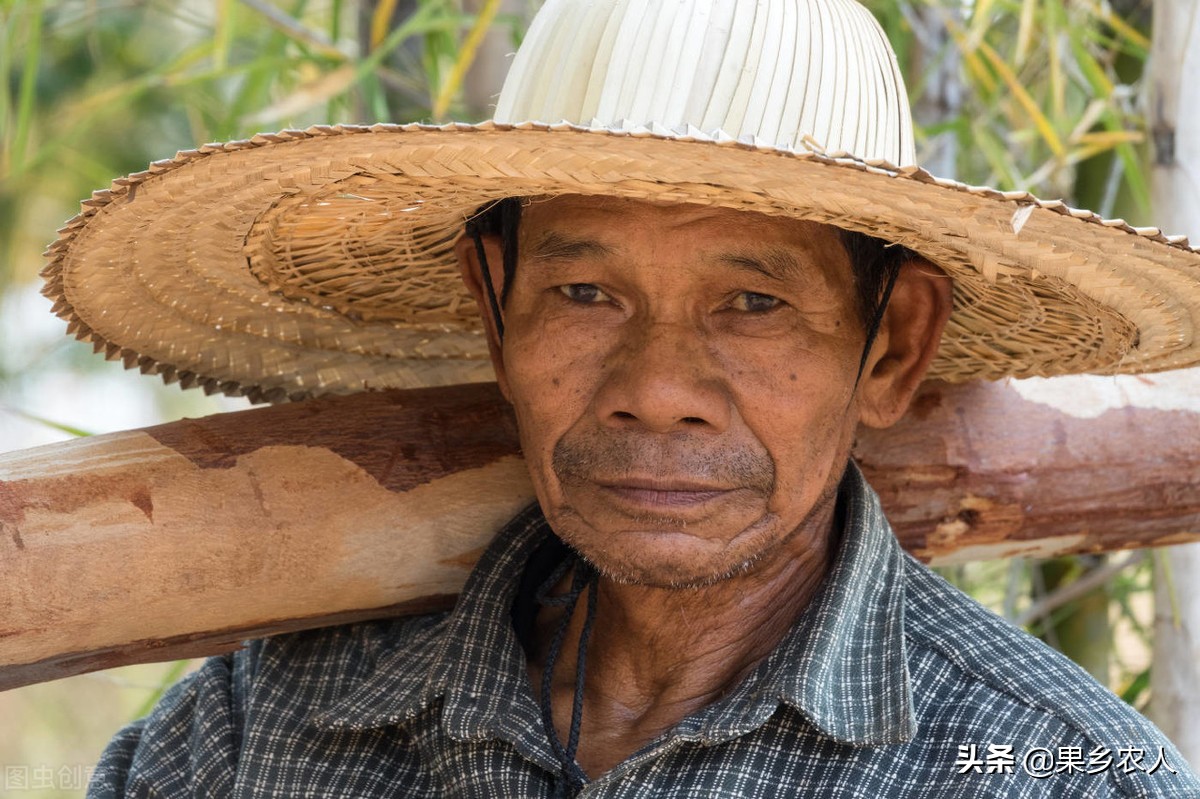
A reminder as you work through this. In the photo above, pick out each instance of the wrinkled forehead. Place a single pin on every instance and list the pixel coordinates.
(620, 223)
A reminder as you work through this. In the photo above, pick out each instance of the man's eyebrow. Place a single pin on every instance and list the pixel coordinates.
(774, 263)
(560, 245)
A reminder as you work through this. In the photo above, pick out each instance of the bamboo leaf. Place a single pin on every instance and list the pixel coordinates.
(377, 97)
(980, 19)
(335, 20)
(426, 19)
(6, 101)
(381, 20)
(466, 57)
(1057, 83)
(1139, 44)
(1088, 119)
(223, 35)
(1132, 692)
(293, 29)
(1022, 96)
(253, 90)
(308, 95)
(1135, 176)
(997, 157)
(1129, 616)
(1107, 139)
(1092, 72)
(1025, 30)
(80, 116)
(970, 55)
(27, 93)
(97, 173)
(59, 426)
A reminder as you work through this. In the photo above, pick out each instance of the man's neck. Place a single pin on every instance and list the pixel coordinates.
(657, 655)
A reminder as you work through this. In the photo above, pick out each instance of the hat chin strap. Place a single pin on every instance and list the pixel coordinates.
(504, 214)
(876, 320)
(486, 274)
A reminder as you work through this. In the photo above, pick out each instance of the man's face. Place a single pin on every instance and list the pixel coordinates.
(683, 379)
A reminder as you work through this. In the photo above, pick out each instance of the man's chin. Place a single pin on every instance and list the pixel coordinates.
(663, 550)
(671, 572)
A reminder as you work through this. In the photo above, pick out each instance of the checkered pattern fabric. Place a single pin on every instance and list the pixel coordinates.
(891, 684)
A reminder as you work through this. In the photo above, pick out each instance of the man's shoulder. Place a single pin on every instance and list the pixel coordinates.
(326, 663)
(252, 717)
(966, 643)
(981, 680)
(354, 641)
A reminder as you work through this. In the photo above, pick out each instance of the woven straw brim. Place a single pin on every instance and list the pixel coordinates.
(321, 261)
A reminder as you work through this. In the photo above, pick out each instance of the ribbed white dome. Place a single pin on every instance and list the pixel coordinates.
(794, 74)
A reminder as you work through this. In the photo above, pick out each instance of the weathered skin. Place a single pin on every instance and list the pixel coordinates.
(684, 385)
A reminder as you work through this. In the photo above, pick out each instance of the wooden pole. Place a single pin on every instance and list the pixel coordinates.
(186, 538)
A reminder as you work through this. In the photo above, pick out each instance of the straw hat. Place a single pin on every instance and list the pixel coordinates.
(320, 261)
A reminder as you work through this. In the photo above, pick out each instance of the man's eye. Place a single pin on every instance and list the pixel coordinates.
(584, 293)
(753, 302)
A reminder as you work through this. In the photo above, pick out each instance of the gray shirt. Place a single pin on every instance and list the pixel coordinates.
(891, 684)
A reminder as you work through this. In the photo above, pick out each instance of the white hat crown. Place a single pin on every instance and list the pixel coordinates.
(792, 74)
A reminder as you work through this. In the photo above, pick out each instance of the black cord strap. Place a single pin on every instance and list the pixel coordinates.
(876, 320)
(572, 779)
(486, 274)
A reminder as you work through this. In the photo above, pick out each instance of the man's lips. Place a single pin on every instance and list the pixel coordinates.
(663, 493)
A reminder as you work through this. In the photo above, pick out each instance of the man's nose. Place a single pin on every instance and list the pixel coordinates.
(664, 379)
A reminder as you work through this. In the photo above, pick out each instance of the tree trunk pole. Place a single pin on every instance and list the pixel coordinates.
(1175, 125)
(189, 537)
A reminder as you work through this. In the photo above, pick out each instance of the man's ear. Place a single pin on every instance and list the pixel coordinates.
(906, 344)
(472, 274)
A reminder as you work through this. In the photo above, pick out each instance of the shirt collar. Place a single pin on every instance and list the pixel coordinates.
(850, 676)
(843, 665)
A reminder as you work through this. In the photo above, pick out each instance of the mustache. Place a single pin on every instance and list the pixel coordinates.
(582, 457)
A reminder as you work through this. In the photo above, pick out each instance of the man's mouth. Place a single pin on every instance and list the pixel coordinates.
(659, 493)
(682, 478)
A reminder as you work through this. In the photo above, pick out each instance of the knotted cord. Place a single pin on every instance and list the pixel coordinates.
(584, 578)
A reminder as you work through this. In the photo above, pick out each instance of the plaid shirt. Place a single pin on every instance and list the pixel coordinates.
(890, 684)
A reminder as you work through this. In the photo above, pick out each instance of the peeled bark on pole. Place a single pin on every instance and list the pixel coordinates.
(187, 538)
(1175, 127)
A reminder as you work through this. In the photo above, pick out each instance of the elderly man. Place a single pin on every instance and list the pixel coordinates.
(691, 296)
